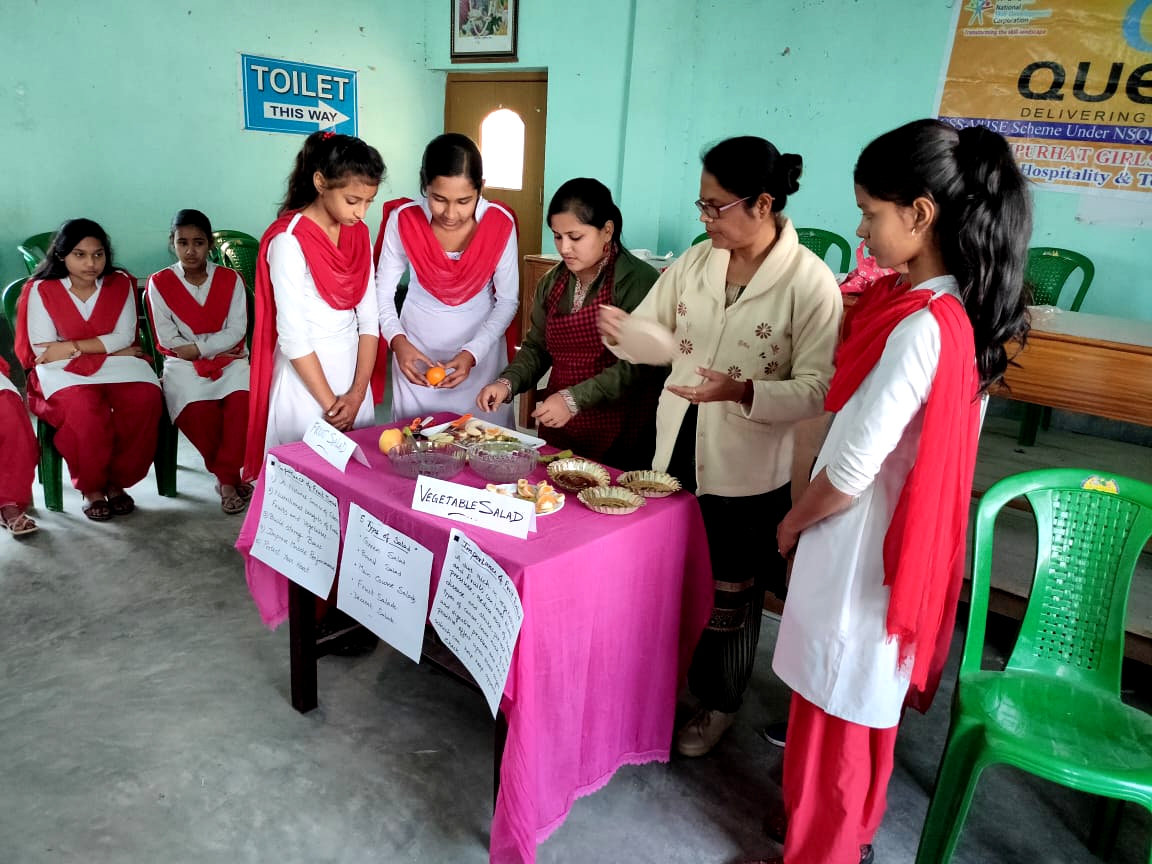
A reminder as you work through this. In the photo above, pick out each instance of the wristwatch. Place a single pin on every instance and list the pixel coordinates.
(76, 352)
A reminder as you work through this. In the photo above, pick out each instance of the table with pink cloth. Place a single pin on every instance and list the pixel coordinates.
(613, 608)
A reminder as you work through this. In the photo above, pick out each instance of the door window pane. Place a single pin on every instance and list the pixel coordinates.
(502, 146)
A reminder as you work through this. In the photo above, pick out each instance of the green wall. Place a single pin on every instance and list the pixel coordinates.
(125, 112)
(128, 111)
(637, 88)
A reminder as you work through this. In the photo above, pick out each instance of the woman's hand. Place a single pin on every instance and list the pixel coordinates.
(131, 351)
(787, 536)
(408, 358)
(460, 365)
(343, 412)
(610, 320)
(187, 352)
(492, 395)
(56, 351)
(553, 412)
(716, 387)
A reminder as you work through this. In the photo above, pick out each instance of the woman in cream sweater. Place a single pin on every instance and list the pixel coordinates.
(756, 318)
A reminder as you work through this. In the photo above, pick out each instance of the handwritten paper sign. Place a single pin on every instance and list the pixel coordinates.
(384, 578)
(299, 530)
(501, 513)
(478, 614)
(334, 446)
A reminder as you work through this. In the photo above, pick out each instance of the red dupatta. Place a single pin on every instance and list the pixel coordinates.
(341, 273)
(209, 318)
(925, 542)
(115, 291)
(452, 282)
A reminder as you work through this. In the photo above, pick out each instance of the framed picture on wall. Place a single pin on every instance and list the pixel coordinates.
(484, 31)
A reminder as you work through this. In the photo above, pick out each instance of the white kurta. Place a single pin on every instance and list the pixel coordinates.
(182, 384)
(116, 370)
(306, 324)
(442, 331)
(833, 646)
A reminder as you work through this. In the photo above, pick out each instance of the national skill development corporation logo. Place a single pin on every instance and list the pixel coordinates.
(978, 8)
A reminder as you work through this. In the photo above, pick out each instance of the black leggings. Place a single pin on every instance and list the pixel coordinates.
(742, 547)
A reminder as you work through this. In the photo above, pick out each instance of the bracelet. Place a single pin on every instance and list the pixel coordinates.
(76, 352)
(507, 384)
(573, 408)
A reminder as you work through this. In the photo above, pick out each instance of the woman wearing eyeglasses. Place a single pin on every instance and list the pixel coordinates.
(756, 319)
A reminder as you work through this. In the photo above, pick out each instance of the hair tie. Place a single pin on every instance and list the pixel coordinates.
(326, 135)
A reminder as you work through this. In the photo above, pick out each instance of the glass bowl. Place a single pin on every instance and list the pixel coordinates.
(441, 461)
(502, 461)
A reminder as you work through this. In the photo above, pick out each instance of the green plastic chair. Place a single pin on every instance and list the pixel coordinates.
(221, 237)
(700, 238)
(820, 241)
(50, 466)
(35, 249)
(168, 436)
(241, 255)
(1049, 269)
(1055, 709)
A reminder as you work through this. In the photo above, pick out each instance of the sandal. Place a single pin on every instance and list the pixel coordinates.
(244, 490)
(16, 521)
(98, 511)
(232, 504)
(122, 504)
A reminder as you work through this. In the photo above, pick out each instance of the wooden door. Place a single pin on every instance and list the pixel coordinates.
(469, 101)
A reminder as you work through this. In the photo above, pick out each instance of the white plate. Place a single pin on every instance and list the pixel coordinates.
(510, 488)
(530, 440)
(643, 340)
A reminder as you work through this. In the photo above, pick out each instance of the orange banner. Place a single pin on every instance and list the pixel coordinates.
(1068, 82)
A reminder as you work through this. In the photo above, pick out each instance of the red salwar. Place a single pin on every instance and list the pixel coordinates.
(218, 428)
(836, 777)
(18, 452)
(105, 432)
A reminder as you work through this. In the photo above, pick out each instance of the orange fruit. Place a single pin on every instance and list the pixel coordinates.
(435, 375)
(390, 438)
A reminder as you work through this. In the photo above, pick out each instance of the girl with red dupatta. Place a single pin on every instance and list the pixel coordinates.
(464, 287)
(76, 336)
(18, 457)
(879, 535)
(199, 313)
(314, 345)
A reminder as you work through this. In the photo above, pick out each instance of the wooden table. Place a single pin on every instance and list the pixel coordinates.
(1091, 364)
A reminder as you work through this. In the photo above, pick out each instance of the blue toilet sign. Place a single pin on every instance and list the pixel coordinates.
(298, 98)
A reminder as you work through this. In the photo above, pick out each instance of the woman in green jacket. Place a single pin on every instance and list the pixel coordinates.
(597, 405)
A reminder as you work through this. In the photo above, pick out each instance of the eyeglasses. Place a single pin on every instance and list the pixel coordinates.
(711, 212)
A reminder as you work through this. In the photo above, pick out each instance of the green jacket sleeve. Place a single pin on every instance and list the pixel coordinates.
(630, 288)
(533, 359)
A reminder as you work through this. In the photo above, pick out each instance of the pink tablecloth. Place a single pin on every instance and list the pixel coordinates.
(613, 608)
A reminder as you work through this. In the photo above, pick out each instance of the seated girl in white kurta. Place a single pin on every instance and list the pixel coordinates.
(76, 337)
(200, 315)
(464, 288)
(314, 346)
(881, 528)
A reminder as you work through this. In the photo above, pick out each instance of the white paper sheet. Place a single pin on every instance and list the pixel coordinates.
(333, 446)
(504, 513)
(478, 614)
(384, 579)
(299, 530)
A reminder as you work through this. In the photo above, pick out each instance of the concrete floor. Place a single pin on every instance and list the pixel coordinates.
(145, 718)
